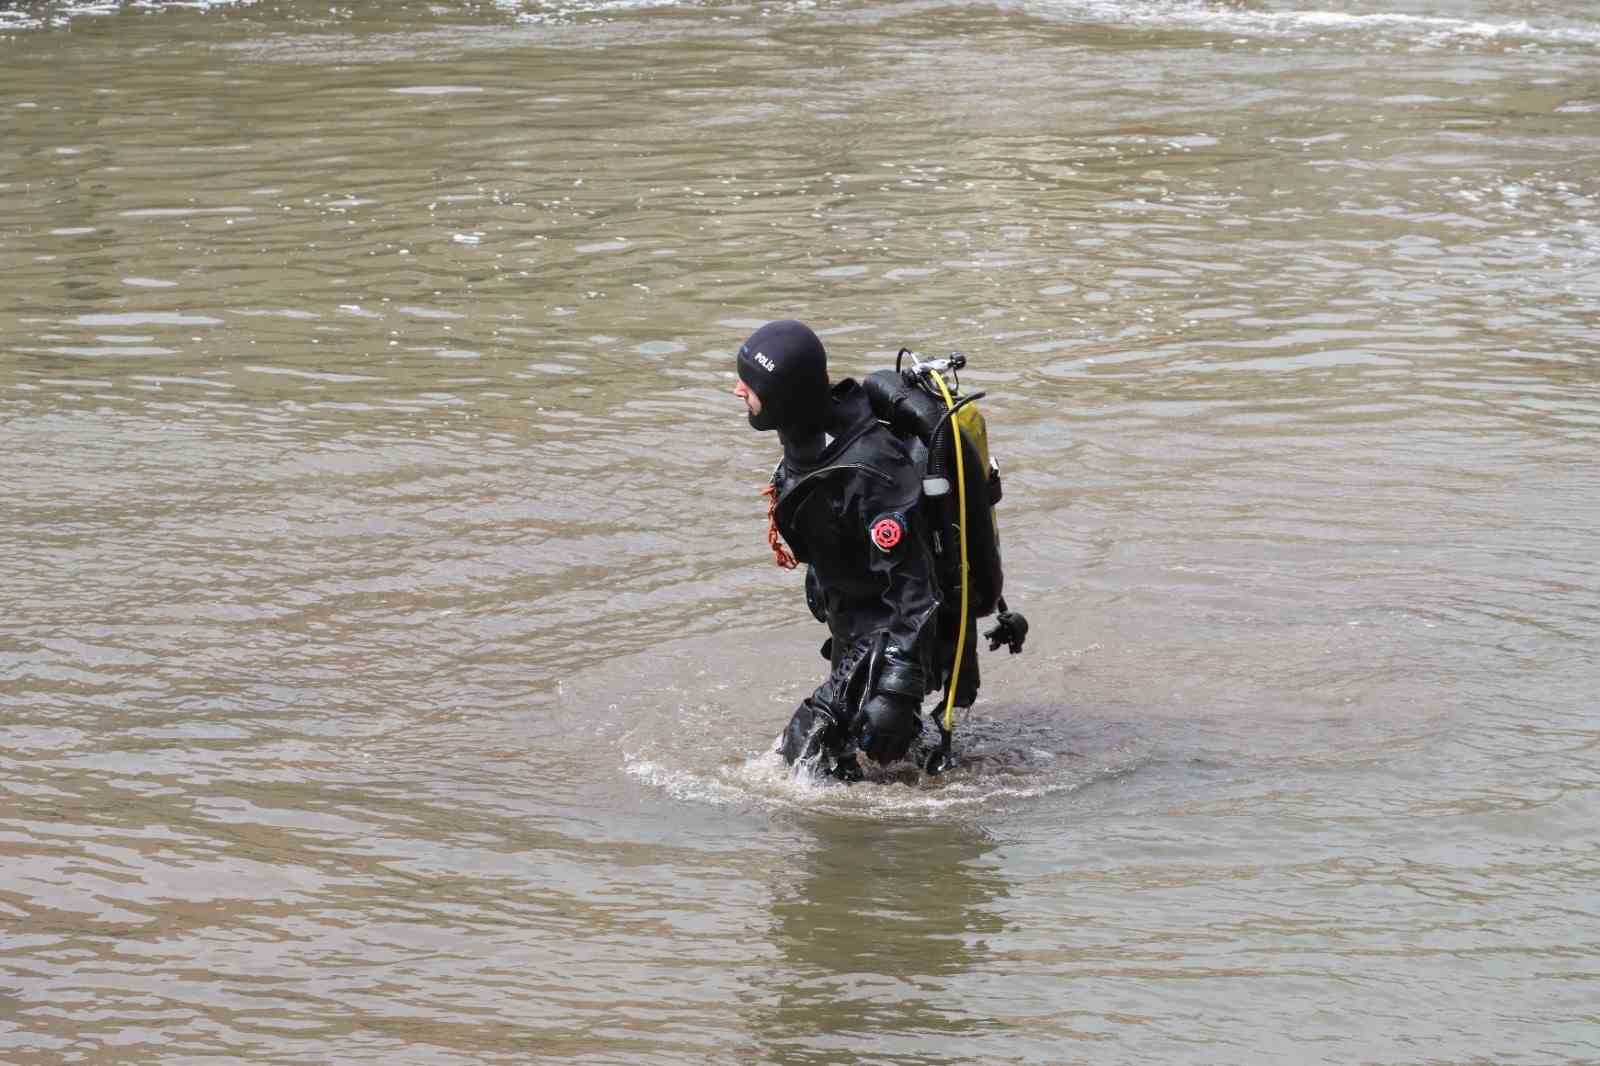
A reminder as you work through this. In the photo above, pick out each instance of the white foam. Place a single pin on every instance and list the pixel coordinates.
(1429, 31)
(548, 12)
(615, 244)
(183, 212)
(437, 90)
(1425, 30)
(311, 375)
(146, 318)
(764, 782)
(96, 351)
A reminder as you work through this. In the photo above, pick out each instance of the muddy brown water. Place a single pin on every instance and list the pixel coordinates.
(389, 652)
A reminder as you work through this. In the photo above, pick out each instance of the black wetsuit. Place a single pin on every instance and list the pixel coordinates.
(850, 512)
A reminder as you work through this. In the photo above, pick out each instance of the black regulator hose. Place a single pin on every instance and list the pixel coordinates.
(940, 453)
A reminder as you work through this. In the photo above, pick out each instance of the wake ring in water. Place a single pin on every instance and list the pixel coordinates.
(1000, 763)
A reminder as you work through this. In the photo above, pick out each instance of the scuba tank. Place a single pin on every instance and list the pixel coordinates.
(960, 487)
(908, 402)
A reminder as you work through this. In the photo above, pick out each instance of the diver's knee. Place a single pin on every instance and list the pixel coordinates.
(808, 732)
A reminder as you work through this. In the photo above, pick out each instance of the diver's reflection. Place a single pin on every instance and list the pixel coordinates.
(874, 932)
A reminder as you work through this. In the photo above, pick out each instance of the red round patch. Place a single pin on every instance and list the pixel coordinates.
(887, 531)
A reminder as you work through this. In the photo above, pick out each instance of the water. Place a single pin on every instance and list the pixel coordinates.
(389, 651)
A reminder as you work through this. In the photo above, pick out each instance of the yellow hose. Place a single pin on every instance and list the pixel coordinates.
(961, 510)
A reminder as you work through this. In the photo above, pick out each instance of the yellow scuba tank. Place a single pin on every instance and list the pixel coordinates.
(960, 486)
(912, 403)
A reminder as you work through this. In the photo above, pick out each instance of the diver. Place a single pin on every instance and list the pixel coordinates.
(845, 498)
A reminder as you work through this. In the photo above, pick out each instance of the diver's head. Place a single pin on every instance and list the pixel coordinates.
(783, 379)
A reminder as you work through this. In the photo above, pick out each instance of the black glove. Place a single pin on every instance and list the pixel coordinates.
(886, 725)
(1011, 629)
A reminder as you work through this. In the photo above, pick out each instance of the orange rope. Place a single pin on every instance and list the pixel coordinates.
(780, 555)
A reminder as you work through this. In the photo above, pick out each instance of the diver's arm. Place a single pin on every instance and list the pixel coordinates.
(910, 593)
(887, 723)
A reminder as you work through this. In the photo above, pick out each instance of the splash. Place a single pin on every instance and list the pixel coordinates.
(997, 768)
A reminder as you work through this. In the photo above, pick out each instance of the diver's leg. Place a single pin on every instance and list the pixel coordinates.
(819, 724)
(812, 728)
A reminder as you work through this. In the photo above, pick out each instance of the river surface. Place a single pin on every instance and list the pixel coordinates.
(390, 653)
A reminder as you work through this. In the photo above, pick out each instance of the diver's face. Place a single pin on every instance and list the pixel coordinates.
(751, 400)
